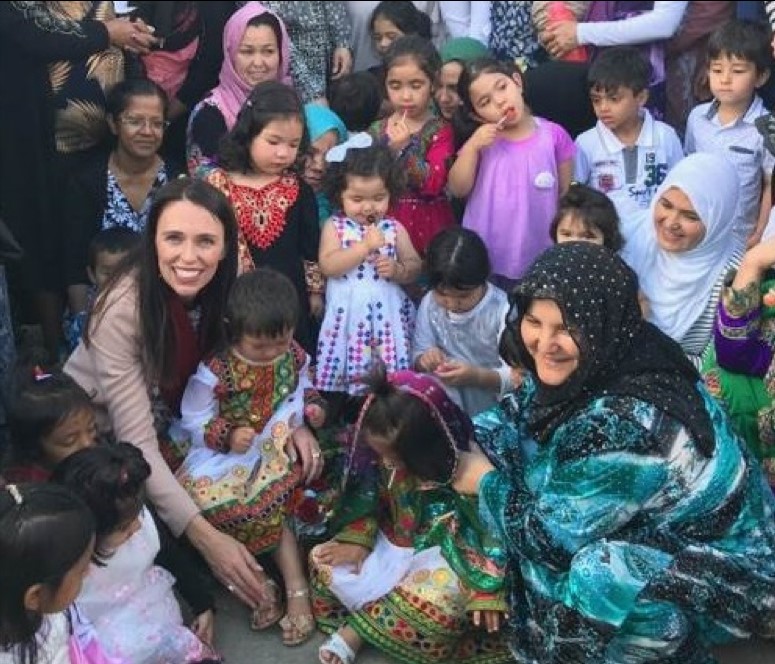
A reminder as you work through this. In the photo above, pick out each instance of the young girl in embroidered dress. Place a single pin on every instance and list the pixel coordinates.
(411, 569)
(422, 141)
(365, 255)
(276, 211)
(241, 408)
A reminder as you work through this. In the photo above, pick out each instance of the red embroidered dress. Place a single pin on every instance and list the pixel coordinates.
(278, 228)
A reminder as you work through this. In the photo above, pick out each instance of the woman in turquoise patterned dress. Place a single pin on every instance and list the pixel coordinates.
(638, 528)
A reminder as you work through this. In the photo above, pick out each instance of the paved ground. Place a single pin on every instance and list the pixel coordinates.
(240, 645)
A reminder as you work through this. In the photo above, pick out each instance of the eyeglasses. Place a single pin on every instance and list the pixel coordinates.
(136, 124)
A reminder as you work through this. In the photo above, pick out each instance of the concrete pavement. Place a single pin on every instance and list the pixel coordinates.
(240, 645)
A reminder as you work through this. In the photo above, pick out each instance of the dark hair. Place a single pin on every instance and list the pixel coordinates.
(158, 333)
(620, 67)
(110, 479)
(38, 405)
(272, 21)
(355, 98)
(268, 101)
(419, 440)
(405, 16)
(457, 258)
(417, 49)
(594, 210)
(464, 123)
(122, 93)
(41, 540)
(373, 161)
(262, 302)
(114, 240)
(744, 39)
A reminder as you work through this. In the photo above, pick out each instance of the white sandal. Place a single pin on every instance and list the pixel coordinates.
(336, 645)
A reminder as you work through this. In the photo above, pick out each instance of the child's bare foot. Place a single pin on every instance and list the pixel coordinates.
(299, 623)
(341, 647)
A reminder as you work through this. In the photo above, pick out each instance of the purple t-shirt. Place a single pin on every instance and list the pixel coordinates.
(514, 198)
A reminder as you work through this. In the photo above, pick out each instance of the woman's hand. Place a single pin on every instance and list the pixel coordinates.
(560, 38)
(304, 446)
(490, 619)
(230, 562)
(757, 260)
(204, 627)
(341, 62)
(470, 470)
(334, 553)
(132, 36)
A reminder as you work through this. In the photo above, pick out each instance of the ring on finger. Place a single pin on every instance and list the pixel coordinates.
(230, 587)
(316, 454)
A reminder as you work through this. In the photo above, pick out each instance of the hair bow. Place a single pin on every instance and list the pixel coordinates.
(357, 141)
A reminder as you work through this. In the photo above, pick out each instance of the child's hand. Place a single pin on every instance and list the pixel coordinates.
(373, 238)
(484, 136)
(431, 359)
(240, 439)
(455, 372)
(339, 553)
(316, 305)
(315, 415)
(398, 133)
(386, 267)
(204, 627)
(490, 619)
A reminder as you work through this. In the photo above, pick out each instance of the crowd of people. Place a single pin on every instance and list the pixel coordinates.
(444, 328)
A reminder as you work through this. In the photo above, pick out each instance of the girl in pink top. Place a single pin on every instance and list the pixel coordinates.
(513, 167)
(419, 138)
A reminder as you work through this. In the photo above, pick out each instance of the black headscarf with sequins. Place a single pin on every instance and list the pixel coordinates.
(620, 353)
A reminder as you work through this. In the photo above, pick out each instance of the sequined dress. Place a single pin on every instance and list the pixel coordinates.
(367, 317)
(244, 495)
(131, 605)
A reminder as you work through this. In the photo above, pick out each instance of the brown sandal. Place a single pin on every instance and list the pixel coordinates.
(266, 615)
(299, 628)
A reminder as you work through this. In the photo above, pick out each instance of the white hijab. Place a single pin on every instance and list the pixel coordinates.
(678, 285)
